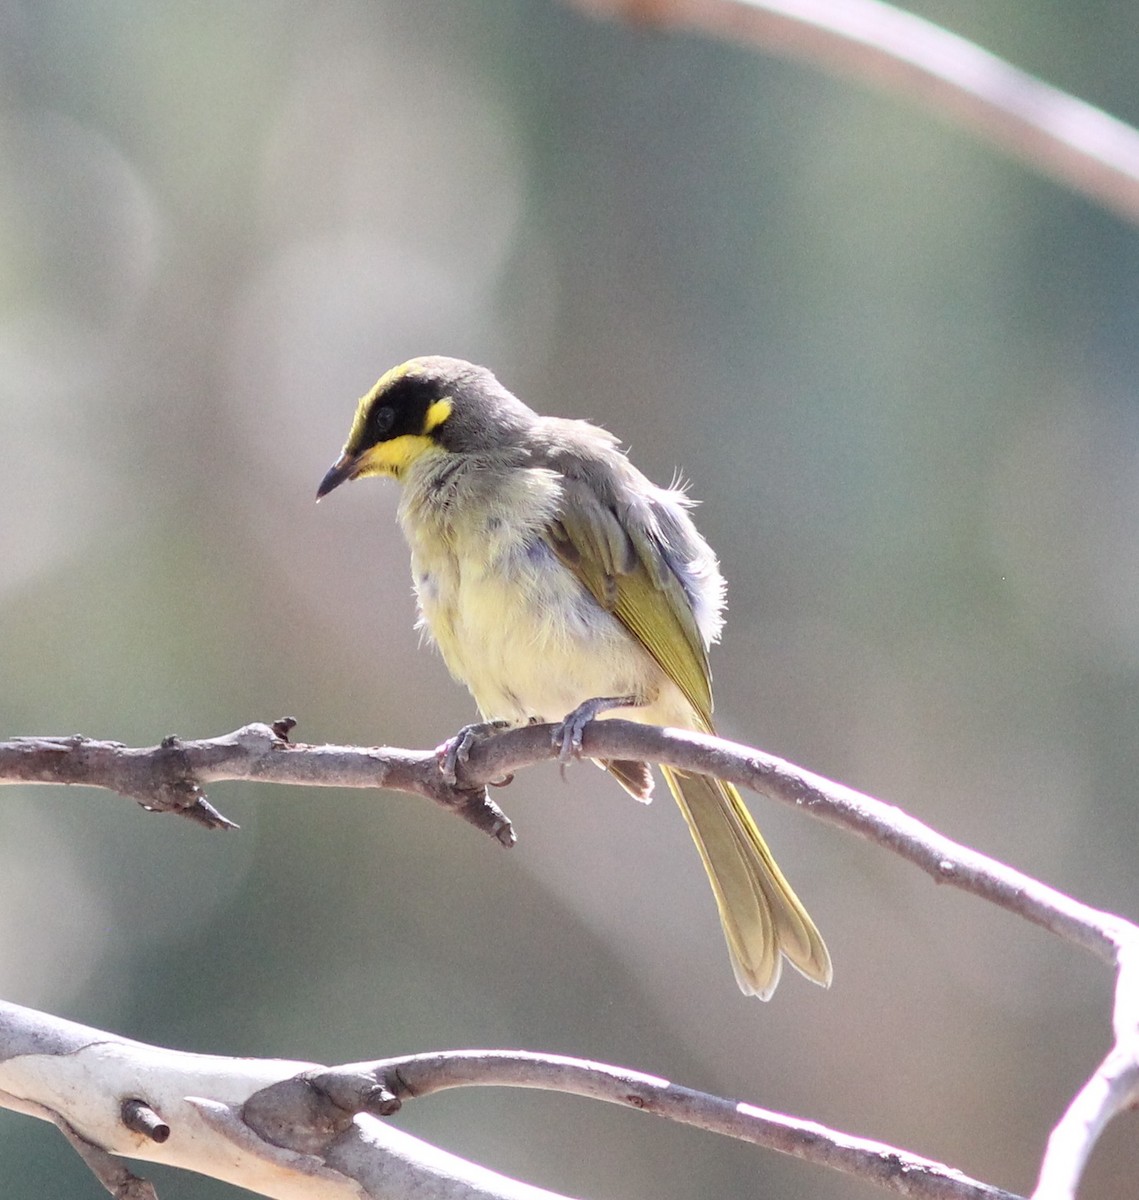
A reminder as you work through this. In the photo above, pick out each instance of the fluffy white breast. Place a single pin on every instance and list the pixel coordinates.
(510, 620)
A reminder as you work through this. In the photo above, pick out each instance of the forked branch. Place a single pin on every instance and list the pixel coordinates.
(288, 1129)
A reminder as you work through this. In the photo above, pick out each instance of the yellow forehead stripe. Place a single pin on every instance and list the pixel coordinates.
(396, 373)
(356, 433)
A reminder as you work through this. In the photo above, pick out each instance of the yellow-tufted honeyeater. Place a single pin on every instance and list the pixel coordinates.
(552, 574)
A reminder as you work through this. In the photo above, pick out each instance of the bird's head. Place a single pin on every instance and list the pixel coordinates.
(424, 405)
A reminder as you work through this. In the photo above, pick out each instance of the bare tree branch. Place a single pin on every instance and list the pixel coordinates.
(258, 752)
(1066, 139)
(290, 1129)
(1095, 155)
(169, 777)
(78, 1078)
(947, 861)
(262, 753)
(1112, 1089)
(421, 1074)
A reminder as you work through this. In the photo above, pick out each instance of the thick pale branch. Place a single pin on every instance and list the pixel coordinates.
(1058, 135)
(291, 1130)
(79, 1078)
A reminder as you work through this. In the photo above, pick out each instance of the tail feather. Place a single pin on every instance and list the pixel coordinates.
(635, 777)
(763, 920)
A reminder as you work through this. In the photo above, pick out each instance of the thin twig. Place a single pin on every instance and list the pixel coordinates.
(1113, 1088)
(1064, 138)
(256, 752)
(945, 860)
(169, 777)
(111, 1172)
(356, 1086)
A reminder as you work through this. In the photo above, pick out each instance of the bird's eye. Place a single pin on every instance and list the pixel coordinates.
(382, 420)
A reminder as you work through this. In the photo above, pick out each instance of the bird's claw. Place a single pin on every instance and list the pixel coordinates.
(569, 734)
(455, 751)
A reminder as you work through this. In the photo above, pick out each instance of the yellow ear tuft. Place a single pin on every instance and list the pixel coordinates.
(438, 413)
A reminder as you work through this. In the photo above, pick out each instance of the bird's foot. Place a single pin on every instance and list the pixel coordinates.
(567, 736)
(456, 750)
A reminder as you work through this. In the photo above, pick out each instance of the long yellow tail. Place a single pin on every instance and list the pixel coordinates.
(762, 917)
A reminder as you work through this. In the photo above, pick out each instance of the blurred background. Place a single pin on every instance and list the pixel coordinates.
(900, 373)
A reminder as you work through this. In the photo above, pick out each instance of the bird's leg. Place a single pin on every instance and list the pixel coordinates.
(456, 750)
(569, 733)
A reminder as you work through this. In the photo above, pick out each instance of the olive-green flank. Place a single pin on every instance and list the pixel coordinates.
(556, 579)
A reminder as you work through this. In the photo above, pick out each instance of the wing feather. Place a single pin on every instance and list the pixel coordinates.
(617, 549)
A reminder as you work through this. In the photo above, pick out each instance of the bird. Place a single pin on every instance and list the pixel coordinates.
(560, 585)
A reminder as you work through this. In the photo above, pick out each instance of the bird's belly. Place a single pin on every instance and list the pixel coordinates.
(525, 636)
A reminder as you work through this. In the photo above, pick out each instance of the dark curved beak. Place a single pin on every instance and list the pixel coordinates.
(343, 468)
